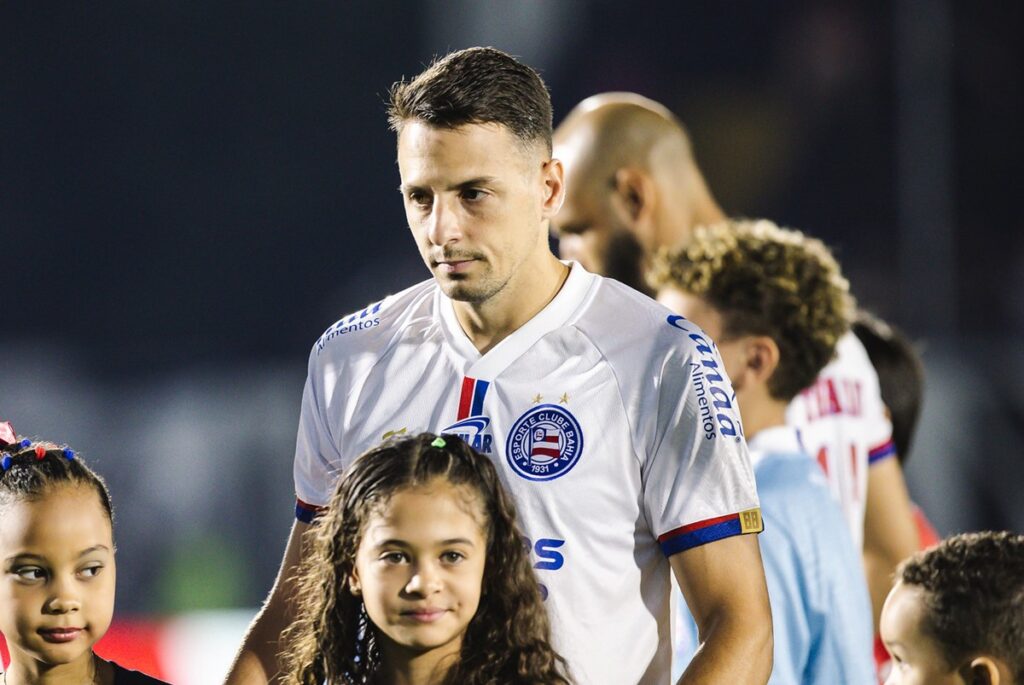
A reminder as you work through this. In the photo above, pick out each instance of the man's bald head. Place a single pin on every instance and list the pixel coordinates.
(619, 129)
(632, 183)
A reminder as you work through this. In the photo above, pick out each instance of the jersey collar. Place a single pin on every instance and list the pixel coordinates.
(560, 311)
(775, 440)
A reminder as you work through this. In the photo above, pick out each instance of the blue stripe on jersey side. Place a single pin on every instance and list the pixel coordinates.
(478, 398)
(701, 536)
(882, 452)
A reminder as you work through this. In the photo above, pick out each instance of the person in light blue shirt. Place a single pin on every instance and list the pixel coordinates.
(774, 303)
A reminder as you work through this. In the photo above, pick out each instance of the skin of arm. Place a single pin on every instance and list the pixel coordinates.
(256, 662)
(724, 586)
(890, 535)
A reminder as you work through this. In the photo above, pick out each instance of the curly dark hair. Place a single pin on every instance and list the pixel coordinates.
(508, 640)
(476, 86)
(766, 280)
(974, 596)
(34, 468)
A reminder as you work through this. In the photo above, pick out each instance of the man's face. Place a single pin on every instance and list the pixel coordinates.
(476, 200)
(916, 658)
(591, 227)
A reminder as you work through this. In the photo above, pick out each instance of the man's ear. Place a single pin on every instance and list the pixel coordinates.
(634, 192)
(553, 175)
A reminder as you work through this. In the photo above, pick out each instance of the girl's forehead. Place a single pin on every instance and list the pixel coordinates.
(438, 502)
(65, 516)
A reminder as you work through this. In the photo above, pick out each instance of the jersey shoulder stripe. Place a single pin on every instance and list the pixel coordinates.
(374, 326)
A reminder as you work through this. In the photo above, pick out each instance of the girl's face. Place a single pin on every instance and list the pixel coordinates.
(420, 567)
(57, 582)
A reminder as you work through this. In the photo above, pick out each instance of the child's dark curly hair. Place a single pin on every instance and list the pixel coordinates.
(30, 470)
(508, 640)
(766, 280)
(973, 595)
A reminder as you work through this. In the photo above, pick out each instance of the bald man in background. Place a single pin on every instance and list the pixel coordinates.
(633, 186)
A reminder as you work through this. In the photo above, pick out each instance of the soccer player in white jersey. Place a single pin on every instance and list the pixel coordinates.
(633, 186)
(614, 430)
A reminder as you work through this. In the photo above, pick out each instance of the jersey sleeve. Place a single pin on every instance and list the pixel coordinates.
(317, 459)
(878, 427)
(698, 483)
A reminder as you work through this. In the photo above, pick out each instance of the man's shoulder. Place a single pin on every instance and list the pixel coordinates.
(623, 322)
(372, 327)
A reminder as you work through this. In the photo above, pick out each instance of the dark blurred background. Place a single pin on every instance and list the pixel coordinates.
(190, 192)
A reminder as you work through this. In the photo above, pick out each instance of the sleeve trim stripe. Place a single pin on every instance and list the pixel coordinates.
(883, 451)
(306, 512)
(709, 530)
(700, 536)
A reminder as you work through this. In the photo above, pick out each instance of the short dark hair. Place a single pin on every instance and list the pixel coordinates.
(32, 469)
(974, 596)
(766, 280)
(476, 86)
(900, 376)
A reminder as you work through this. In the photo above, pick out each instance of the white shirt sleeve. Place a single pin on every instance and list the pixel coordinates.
(317, 459)
(698, 482)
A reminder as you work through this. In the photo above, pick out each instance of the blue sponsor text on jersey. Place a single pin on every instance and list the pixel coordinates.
(472, 432)
(359, 321)
(549, 558)
(712, 398)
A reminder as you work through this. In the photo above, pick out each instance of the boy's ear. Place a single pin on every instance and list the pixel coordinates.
(983, 670)
(762, 357)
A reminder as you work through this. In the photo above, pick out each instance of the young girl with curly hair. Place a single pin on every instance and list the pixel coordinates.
(57, 566)
(418, 575)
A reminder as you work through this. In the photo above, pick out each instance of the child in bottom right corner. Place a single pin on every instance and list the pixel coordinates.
(956, 613)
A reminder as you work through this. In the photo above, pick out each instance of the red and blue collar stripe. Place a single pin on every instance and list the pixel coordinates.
(471, 402)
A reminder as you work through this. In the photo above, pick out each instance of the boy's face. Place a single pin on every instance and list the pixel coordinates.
(57, 582)
(916, 658)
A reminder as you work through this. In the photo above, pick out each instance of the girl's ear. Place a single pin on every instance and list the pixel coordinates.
(353, 584)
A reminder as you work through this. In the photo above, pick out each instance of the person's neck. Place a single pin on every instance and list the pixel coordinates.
(399, 666)
(80, 672)
(530, 290)
(760, 413)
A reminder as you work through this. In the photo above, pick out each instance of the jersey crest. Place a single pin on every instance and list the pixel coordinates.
(545, 443)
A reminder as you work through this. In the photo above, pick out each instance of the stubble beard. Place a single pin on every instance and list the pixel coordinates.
(623, 260)
(472, 290)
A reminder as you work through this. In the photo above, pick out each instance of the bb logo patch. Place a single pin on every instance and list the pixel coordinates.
(544, 443)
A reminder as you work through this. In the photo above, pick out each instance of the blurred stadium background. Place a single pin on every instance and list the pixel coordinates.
(190, 192)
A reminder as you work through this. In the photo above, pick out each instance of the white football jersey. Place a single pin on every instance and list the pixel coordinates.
(843, 424)
(609, 419)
